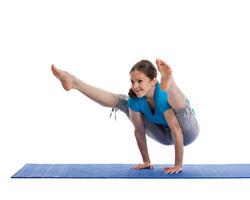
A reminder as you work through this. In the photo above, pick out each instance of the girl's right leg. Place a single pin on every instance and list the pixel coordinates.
(98, 95)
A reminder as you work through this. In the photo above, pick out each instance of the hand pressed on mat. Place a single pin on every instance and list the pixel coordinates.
(142, 166)
(172, 170)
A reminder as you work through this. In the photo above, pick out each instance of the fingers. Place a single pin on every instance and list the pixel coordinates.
(142, 166)
(172, 170)
(167, 170)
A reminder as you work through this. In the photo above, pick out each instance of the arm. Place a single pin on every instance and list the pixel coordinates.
(178, 138)
(140, 136)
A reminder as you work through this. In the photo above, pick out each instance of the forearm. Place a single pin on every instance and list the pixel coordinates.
(179, 149)
(142, 145)
(177, 134)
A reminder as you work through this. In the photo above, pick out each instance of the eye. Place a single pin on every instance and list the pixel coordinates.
(140, 81)
(131, 81)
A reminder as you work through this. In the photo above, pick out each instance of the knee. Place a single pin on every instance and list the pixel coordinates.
(190, 137)
(122, 103)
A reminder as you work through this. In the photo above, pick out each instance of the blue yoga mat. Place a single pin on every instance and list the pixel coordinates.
(124, 171)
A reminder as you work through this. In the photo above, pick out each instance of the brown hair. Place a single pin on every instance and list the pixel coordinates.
(147, 68)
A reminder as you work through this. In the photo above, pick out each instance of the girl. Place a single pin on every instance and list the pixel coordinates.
(159, 110)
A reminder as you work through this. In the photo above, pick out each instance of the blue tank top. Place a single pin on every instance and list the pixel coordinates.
(160, 102)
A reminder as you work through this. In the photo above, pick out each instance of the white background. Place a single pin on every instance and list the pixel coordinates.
(206, 43)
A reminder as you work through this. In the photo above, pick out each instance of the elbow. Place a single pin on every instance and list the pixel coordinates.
(178, 134)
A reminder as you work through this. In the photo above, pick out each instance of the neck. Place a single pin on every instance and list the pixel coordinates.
(150, 94)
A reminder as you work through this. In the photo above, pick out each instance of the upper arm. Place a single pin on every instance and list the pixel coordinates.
(172, 121)
(136, 118)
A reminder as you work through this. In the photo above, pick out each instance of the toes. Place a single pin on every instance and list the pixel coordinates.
(158, 62)
(162, 66)
(53, 67)
(55, 71)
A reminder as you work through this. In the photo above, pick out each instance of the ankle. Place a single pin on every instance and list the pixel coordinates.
(172, 86)
(169, 85)
(76, 83)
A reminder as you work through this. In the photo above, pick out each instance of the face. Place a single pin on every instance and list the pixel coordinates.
(141, 84)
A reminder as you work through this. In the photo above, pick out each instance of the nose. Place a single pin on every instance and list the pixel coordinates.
(135, 86)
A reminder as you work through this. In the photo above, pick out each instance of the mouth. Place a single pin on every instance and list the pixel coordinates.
(138, 93)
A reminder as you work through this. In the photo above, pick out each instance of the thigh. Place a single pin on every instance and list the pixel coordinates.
(122, 104)
(158, 132)
(188, 123)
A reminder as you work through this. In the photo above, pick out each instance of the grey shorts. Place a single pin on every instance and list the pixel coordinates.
(186, 117)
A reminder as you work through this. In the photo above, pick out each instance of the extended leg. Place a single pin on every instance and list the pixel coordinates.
(98, 95)
(176, 97)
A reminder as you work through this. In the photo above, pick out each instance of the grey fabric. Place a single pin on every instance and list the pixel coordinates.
(186, 117)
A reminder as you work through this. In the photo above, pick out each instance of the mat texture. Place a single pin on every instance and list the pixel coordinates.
(124, 171)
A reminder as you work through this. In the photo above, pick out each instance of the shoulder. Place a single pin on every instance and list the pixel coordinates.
(161, 98)
(135, 103)
(160, 94)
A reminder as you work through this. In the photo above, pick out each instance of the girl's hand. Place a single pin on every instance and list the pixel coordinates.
(172, 170)
(142, 166)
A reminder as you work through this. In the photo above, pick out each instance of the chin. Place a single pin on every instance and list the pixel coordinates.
(140, 95)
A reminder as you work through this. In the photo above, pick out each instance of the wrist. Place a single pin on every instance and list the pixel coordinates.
(146, 162)
(178, 165)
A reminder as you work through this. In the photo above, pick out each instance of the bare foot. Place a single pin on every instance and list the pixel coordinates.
(166, 74)
(67, 80)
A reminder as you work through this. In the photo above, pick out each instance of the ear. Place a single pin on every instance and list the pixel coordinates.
(154, 81)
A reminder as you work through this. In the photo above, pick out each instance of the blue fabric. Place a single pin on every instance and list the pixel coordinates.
(124, 171)
(161, 105)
